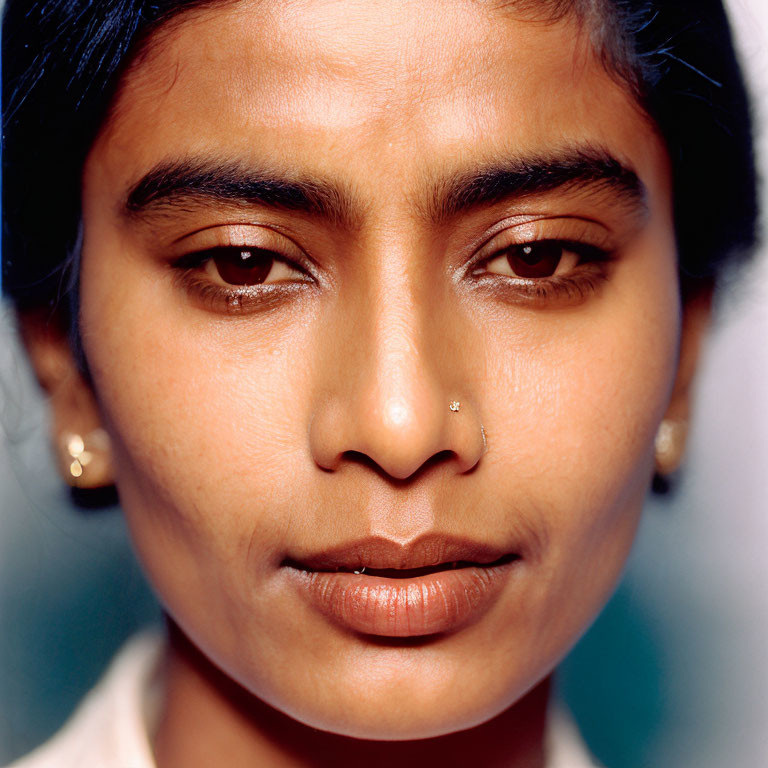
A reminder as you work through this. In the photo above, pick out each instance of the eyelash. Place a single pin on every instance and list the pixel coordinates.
(585, 279)
(236, 299)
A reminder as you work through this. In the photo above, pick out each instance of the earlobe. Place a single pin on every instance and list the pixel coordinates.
(81, 446)
(85, 459)
(673, 431)
(669, 445)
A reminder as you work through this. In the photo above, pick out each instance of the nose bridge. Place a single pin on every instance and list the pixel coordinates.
(396, 404)
(399, 381)
(392, 387)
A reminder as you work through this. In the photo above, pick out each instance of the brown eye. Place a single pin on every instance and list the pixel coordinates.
(243, 266)
(535, 259)
(540, 259)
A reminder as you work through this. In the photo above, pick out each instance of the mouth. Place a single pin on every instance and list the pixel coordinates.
(383, 588)
(404, 573)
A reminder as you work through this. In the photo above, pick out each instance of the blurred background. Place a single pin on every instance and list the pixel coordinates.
(674, 672)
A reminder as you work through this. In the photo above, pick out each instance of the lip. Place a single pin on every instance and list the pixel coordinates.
(380, 587)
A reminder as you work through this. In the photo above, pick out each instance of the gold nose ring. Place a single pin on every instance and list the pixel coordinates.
(454, 405)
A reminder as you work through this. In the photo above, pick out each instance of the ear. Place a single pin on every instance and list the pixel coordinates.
(673, 431)
(696, 319)
(81, 446)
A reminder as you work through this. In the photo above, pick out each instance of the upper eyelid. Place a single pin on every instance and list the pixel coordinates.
(238, 234)
(574, 248)
(239, 238)
(197, 260)
(560, 228)
(487, 251)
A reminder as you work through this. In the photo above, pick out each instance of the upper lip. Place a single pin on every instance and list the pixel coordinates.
(379, 552)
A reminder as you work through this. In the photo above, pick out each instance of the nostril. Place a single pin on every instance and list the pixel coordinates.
(439, 458)
(398, 473)
(358, 457)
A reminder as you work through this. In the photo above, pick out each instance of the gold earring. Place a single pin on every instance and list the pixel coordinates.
(670, 445)
(86, 458)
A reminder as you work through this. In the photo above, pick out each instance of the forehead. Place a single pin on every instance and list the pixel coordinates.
(430, 81)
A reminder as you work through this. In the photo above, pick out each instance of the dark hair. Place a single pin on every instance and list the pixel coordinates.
(62, 60)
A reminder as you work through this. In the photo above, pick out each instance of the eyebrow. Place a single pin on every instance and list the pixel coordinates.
(182, 183)
(582, 169)
(585, 169)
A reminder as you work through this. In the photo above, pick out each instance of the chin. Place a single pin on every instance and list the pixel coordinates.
(380, 721)
(412, 704)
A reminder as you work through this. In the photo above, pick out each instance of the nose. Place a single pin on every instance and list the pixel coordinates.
(394, 395)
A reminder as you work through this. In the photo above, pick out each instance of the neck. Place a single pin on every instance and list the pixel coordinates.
(208, 719)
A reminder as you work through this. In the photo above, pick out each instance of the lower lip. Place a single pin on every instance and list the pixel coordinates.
(425, 605)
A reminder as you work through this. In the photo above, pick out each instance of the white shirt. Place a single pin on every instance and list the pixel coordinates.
(111, 727)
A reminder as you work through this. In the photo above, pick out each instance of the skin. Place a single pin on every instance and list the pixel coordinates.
(318, 413)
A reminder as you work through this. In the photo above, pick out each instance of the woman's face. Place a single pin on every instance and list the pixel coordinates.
(309, 227)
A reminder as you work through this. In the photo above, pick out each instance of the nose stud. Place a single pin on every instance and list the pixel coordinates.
(454, 405)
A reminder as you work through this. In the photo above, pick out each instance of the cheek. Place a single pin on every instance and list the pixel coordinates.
(208, 421)
(577, 403)
(573, 405)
